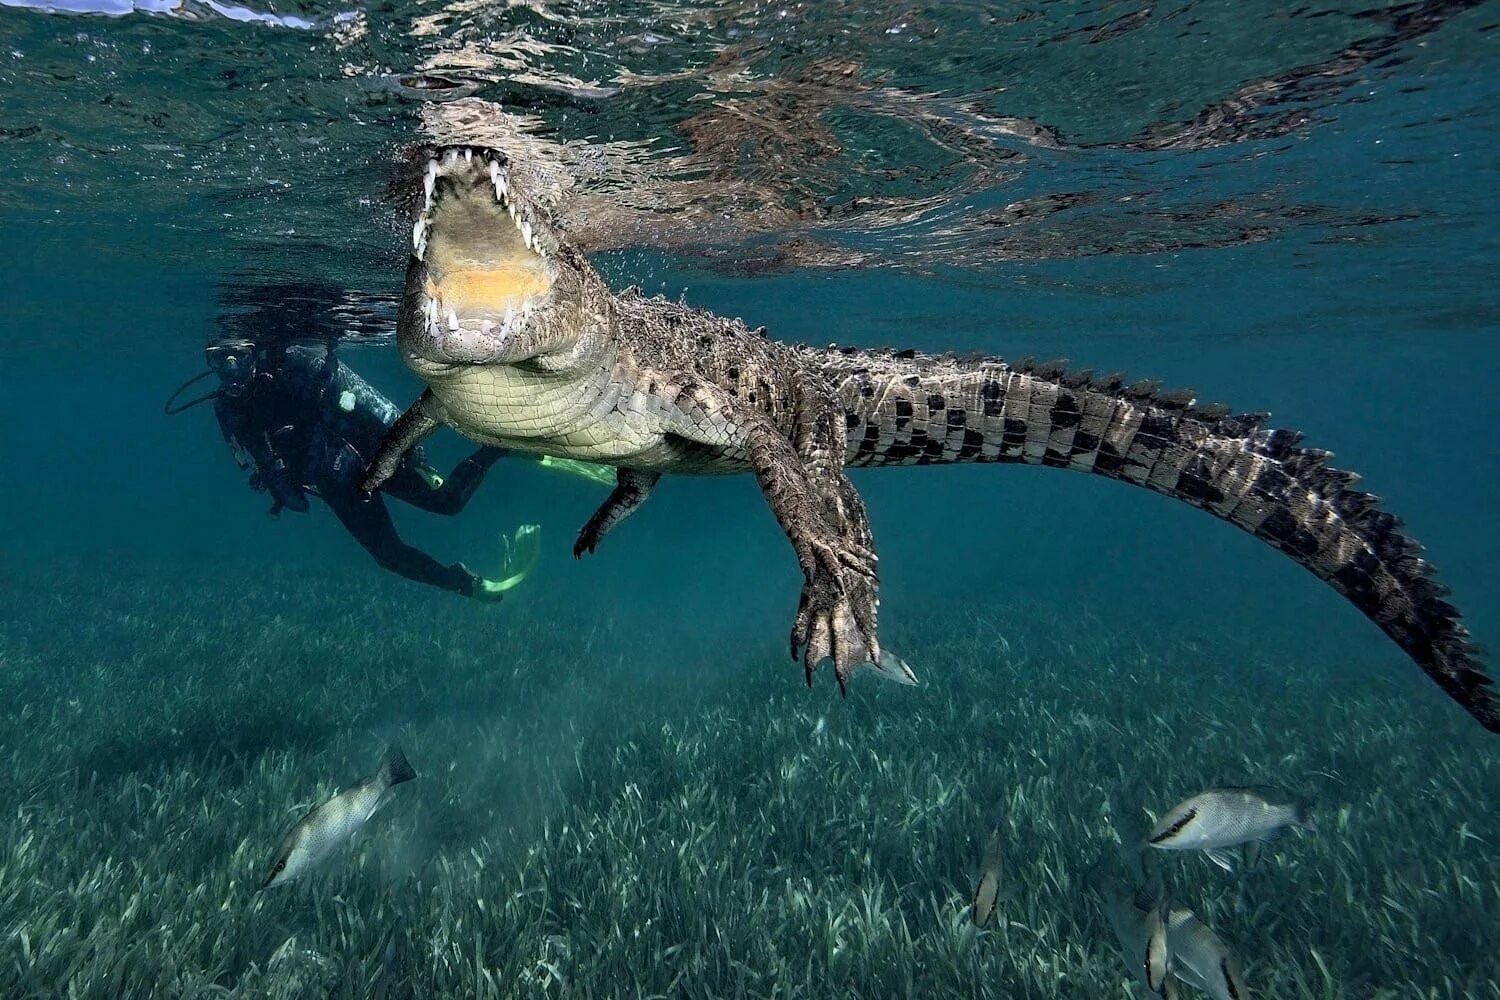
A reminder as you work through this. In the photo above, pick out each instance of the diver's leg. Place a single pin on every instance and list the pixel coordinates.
(632, 487)
(366, 518)
(421, 419)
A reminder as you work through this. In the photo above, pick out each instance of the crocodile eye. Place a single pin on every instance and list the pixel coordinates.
(280, 867)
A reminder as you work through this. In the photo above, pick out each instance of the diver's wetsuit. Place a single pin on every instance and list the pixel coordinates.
(309, 424)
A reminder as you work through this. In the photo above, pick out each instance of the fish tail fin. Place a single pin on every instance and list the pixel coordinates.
(1305, 817)
(1099, 874)
(1151, 894)
(1130, 830)
(394, 767)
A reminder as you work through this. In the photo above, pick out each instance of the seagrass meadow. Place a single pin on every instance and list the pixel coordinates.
(596, 818)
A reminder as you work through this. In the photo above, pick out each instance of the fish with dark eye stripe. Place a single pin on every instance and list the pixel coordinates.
(1199, 958)
(1139, 927)
(987, 894)
(1220, 818)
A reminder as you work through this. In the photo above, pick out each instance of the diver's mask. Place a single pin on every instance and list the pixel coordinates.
(234, 362)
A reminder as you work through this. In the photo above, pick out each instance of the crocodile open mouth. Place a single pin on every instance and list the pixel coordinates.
(482, 247)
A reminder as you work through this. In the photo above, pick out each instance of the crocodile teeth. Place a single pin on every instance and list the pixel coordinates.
(526, 232)
(468, 156)
(510, 314)
(453, 320)
(419, 237)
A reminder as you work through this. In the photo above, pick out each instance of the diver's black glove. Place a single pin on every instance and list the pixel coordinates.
(282, 490)
(290, 496)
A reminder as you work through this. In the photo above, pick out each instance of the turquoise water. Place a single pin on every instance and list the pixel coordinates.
(625, 789)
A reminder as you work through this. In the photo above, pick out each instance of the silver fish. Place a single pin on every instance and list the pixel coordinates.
(987, 894)
(1199, 958)
(891, 668)
(1220, 818)
(1140, 930)
(330, 826)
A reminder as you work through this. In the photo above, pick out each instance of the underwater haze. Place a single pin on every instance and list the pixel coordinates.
(624, 787)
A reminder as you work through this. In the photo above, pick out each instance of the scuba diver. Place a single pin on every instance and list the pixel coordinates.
(304, 423)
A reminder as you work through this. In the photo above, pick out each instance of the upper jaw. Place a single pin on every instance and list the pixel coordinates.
(471, 163)
(483, 258)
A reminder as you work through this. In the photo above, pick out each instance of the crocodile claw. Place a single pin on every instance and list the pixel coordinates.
(587, 541)
(835, 620)
(825, 553)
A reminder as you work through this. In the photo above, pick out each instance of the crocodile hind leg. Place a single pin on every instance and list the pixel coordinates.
(838, 568)
(815, 506)
(420, 420)
(834, 620)
(632, 487)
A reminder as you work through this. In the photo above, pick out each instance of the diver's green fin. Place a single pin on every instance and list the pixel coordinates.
(588, 470)
(521, 554)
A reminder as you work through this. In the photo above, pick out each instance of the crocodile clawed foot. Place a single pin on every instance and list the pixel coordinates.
(823, 551)
(593, 531)
(835, 620)
(587, 541)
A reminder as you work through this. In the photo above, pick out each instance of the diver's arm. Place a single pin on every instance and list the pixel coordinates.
(270, 472)
(437, 495)
(230, 425)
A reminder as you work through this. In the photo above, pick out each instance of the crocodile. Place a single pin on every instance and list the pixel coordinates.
(522, 344)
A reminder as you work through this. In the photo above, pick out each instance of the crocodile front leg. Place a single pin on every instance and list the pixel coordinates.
(632, 487)
(419, 421)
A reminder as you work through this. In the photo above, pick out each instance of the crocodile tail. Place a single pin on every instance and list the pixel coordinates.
(904, 408)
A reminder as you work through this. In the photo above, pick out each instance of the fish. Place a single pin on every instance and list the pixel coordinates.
(1220, 818)
(330, 826)
(1141, 930)
(891, 668)
(1200, 959)
(987, 893)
